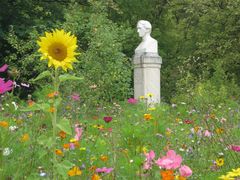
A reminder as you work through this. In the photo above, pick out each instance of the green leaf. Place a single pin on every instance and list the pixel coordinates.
(63, 167)
(66, 77)
(41, 76)
(45, 141)
(65, 126)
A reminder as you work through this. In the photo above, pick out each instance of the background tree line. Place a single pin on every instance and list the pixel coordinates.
(198, 40)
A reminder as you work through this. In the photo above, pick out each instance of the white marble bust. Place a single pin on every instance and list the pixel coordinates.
(148, 44)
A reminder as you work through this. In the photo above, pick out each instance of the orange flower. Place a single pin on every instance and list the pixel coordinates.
(62, 134)
(147, 116)
(167, 175)
(51, 95)
(25, 138)
(66, 146)
(95, 118)
(4, 124)
(92, 168)
(51, 109)
(75, 171)
(103, 158)
(30, 102)
(59, 152)
(76, 144)
(96, 177)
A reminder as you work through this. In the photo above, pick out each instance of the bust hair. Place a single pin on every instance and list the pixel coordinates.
(145, 24)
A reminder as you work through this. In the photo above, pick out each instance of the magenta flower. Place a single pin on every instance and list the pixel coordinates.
(235, 148)
(3, 68)
(5, 86)
(185, 171)
(149, 160)
(104, 170)
(78, 131)
(132, 101)
(107, 119)
(75, 97)
(171, 161)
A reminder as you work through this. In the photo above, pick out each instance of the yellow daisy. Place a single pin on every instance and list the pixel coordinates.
(220, 162)
(59, 48)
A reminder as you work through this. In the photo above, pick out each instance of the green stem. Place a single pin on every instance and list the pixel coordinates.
(54, 124)
(1, 159)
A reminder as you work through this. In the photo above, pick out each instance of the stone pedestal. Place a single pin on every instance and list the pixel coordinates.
(147, 75)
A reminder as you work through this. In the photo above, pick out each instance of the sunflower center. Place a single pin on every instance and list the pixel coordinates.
(58, 51)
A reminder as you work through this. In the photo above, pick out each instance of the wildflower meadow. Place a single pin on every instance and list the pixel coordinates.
(67, 109)
(55, 136)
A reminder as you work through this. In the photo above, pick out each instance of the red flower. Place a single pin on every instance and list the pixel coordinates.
(107, 119)
(188, 121)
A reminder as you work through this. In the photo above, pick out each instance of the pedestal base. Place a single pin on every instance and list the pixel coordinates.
(147, 75)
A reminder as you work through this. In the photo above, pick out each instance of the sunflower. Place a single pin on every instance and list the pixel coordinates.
(59, 48)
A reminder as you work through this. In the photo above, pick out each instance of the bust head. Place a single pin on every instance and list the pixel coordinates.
(143, 28)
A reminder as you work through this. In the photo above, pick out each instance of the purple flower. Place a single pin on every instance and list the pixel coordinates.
(107, 119)
(3, 68)
(75, 97)
(104, 170)
(132, 101)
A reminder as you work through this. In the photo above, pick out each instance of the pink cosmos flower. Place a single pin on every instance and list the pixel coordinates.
(3, 68)
(207, 133)
(104, 170)
(235, 148)
(107, 119)
(5, 86)
(149, 160)
(75, 97)
(185, 171)
(171, 161)
(78, 131)
(132, 101)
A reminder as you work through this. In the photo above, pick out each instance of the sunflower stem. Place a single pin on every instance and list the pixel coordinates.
(54, 124)
(1, 158)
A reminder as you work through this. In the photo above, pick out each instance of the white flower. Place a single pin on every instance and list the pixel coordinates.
(12, 128)
(15, 105)
(7, 151)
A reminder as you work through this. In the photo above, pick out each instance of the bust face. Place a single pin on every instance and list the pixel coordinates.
(142, 31)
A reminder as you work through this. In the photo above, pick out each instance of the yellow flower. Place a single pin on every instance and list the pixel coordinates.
(234, 173)
(152, 109)
(75, 171)
(225, 177)
(141, 97)
(231, 175)
(59, 48)
(144, 149)
(4, 124)
(150, 95)
(220, 162)
(25, 138)
(219, 130)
